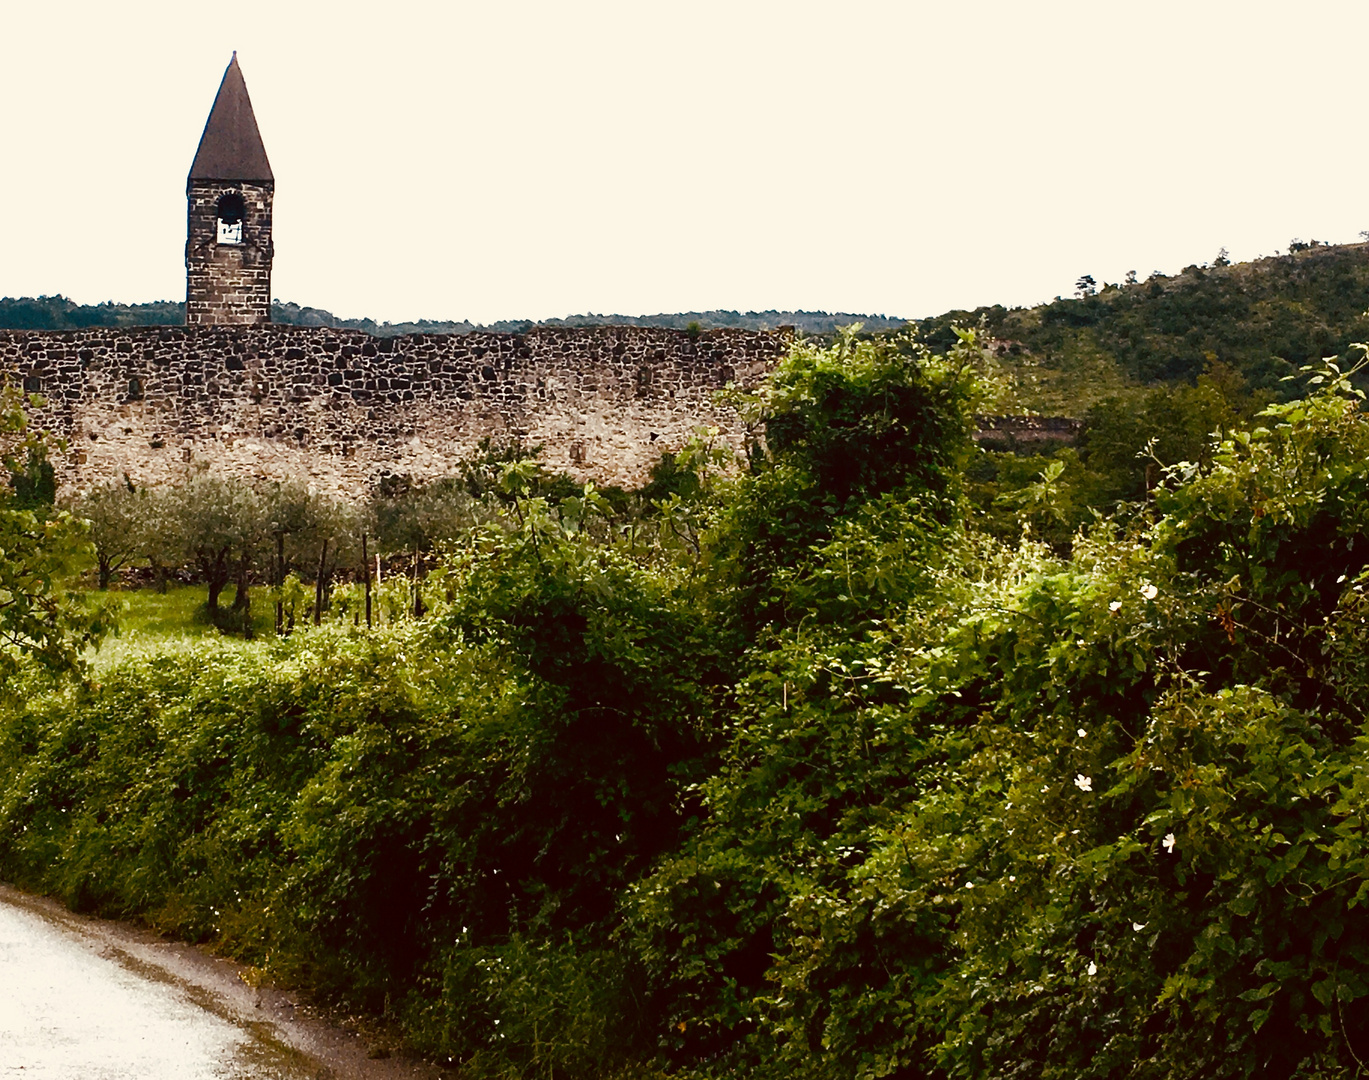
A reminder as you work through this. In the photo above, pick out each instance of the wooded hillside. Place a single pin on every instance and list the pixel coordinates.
(1261, 319)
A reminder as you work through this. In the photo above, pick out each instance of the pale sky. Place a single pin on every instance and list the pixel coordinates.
(537, 159)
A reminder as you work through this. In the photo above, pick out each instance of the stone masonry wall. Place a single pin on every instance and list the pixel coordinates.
(340, 408)
(1027, 434)
(227, 284)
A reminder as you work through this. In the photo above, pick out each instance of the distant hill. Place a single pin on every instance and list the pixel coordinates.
(810, 322)
(59, 313)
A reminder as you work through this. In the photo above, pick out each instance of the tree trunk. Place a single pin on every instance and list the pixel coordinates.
(214, 570)
(106, 571)
(242, 598)
(216, 585)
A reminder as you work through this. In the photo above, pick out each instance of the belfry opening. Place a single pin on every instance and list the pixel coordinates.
(231, 211)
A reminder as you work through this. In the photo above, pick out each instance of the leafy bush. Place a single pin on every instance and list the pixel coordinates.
(1153, 850)
(1095, 817)
(841, 426)
(366, 813)
(42, 551)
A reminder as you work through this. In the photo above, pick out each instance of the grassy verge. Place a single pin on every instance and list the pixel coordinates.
(153, 620)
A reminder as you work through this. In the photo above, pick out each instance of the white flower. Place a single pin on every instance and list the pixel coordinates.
(1149, 591)
(1138, 926)
(1082, 733)
(1012, 877)
(969, 884)
(1168, 842)
(1083, 783)
(1093, 968)
(1116, 605)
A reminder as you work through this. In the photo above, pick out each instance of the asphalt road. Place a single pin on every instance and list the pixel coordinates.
(86, 999)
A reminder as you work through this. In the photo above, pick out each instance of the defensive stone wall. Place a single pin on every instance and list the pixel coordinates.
(1027, 434)
(341, 409)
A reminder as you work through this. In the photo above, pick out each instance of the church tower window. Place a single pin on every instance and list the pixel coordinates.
(231, 211)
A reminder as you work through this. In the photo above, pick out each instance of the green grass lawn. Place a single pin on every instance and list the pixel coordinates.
(150, 619)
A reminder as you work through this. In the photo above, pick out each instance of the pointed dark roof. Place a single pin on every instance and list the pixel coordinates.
(231, 147)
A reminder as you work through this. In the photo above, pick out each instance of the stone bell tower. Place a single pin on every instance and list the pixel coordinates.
(228, 237)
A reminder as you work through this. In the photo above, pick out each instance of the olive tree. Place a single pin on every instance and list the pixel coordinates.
(220, 524)
(118, 517)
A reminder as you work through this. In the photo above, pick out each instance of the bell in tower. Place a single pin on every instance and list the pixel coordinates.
(228, 237)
